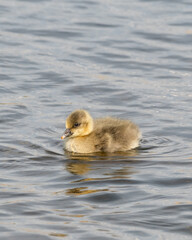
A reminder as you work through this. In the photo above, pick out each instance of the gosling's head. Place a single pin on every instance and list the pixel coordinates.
(78, 124)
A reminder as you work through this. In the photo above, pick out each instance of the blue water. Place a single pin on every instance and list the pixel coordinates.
(127, 59)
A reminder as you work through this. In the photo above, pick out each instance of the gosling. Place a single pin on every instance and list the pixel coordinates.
(84, 134)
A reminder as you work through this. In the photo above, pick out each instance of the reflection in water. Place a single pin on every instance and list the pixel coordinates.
(83, 163)
(102, 156)
(124, 172)
(44, 232)
(113, 166)
(82, 191)
(78, 168)
(61, 235)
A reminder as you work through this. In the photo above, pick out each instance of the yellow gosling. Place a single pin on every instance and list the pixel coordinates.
(84, 134)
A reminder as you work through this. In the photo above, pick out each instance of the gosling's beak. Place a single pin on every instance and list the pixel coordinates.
(67, 133)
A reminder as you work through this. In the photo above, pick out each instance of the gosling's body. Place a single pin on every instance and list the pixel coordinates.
(85, 135)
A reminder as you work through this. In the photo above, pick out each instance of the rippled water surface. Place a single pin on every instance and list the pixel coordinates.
(128, 59)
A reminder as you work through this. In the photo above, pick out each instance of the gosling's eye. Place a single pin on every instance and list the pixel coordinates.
(76, 125)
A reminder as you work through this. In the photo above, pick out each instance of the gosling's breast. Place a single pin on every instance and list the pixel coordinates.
(69, 145)
(79, 145)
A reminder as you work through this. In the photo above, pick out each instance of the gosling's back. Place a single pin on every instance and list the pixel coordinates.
(111, 135)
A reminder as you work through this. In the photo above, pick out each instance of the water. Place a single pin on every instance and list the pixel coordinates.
(128, 59)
